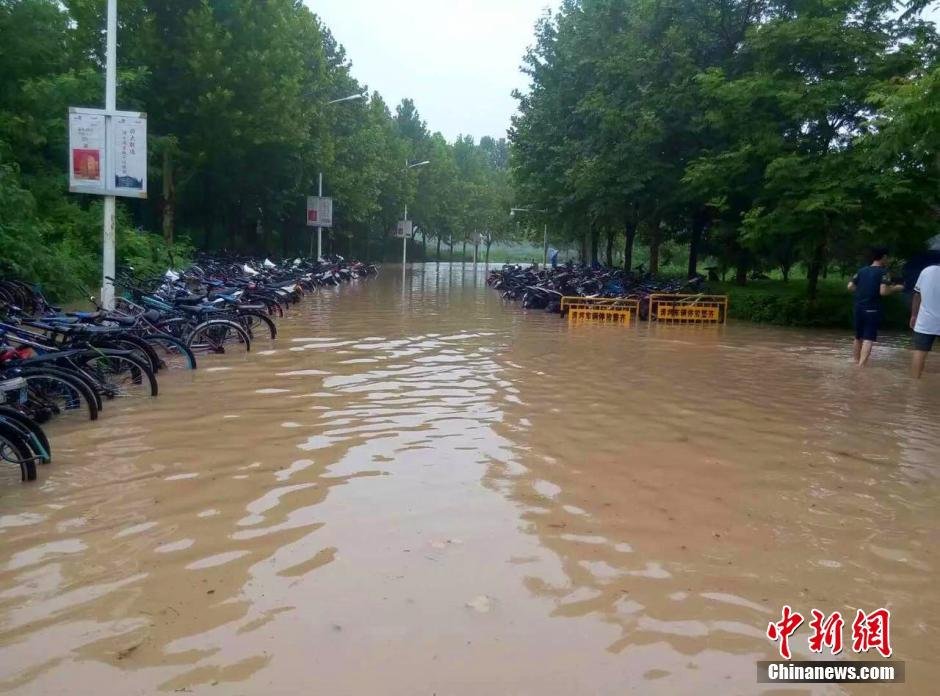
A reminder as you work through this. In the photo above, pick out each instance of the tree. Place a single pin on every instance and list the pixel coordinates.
(762, 132)
(240, 124)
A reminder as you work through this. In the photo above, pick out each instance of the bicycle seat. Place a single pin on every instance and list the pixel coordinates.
(200, 309)
(87, 316)
(127, 322)
(189, 301)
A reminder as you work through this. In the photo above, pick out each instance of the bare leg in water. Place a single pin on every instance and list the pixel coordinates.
(918, 363)
(857, 351)
(865, 353)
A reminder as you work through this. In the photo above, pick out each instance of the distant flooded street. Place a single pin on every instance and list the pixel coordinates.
(420, 490)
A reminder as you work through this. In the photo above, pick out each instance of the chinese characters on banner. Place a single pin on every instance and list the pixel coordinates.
(129, 155)
(870, 631)
(86, 152)
(108, 159)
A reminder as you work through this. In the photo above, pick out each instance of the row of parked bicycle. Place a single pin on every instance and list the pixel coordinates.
(543, 288)
(70, 365)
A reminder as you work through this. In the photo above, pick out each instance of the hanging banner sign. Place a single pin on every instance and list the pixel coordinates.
(86, 153)
(128, 156)
(319, 211)
(108, 153)
(405, 228)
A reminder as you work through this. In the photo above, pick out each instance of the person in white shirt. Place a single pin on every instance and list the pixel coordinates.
(925, 316)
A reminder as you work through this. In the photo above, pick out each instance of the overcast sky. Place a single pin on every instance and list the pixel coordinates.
(458, 59)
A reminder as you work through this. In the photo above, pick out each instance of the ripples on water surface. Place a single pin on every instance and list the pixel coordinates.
(421, 490)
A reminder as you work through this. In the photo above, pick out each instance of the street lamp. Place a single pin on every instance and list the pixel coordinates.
(404, 232)
(530, 209)
(351, 97)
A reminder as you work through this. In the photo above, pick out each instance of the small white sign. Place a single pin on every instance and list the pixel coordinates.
(108, 152)
(86, 153)
(405, 228)
(128, 160)
(319, 211)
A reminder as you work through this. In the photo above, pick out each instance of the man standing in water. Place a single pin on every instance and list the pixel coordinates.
(870, 284)
(925, 316)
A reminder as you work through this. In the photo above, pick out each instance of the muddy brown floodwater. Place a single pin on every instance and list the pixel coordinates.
(423, 491)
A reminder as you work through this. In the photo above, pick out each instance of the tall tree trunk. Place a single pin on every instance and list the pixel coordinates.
(488, 244)
(610, 247)
(815, 268)
(463, 254)
(438, 247)
(169, 196)
(450, 243)
(584, 249)
(656, 241)
(424, 245)
(595, 242)
(629, 234)
(699, 220)
(740, 273)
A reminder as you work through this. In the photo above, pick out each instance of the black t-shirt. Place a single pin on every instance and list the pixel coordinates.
(868, 282)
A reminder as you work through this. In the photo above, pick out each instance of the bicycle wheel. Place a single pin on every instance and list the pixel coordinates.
(218, 336)
(51, 393)
(172, 353)
(257, 323)
(34, 436)
(13, 450)
(81, 380)
(119, 376)
(138, 348)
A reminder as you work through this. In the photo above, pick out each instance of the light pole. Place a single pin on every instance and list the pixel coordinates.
(109, 233)
(351, 97)
(404, 232)
(530, 209)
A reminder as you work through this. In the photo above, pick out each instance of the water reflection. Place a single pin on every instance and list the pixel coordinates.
(417, 488)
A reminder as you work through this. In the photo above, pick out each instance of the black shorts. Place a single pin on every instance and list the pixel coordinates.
(867, 323)
(924, 342)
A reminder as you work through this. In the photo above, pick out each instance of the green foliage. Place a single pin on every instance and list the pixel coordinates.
(763, 134)
(238, 99)
(787, 304)
(59, 250)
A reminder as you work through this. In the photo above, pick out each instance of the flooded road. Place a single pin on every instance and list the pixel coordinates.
(420, 490)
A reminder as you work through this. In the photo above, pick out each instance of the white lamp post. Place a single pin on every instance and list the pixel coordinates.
(109, 233)
(351, 97)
